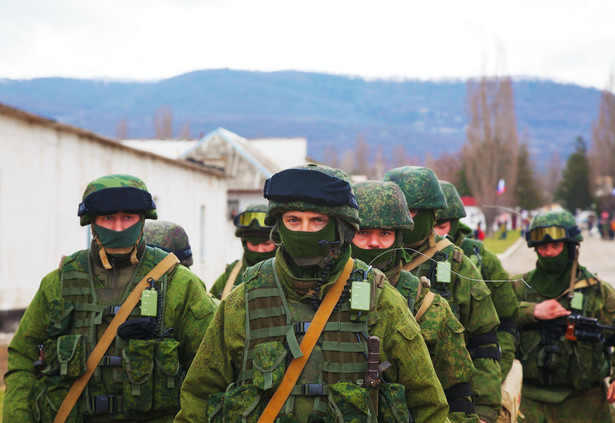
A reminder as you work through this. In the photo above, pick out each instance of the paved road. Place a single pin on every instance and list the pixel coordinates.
(597, 255)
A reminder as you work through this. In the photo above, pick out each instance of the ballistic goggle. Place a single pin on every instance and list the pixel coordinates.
(309, 186)
(551, 234)
(247, 218)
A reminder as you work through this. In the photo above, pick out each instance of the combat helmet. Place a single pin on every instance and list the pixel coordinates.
(252, 221)
(314, 188)
(382, 205)
(170, 237)
(116, 193)
(420, 186)
(553, 226)
(455, 209)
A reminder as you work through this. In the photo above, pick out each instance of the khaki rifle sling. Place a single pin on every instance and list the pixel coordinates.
(109, 335)
(426, 255)
(425, 305)
(307, 345)
(228, 287)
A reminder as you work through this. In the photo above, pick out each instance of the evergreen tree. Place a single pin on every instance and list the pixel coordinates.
(526, 192)
(573, 191)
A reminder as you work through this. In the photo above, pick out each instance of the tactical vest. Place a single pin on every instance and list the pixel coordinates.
(138, 379)
(333, 377)
(548, 358)
(474, 251)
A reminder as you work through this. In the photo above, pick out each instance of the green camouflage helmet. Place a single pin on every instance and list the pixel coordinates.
(553, 226)
(313, 188)
(251, 222)
(170, 237)
(455, 209)
(116, 193)
(420, 186)
(382, 205)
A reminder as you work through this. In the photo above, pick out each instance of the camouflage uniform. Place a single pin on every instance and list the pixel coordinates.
(246, 364)
(562, 378)
(502, 294)
(382, 205)
(467, 294)
(169, 237)
(252, 230)
(138, 379)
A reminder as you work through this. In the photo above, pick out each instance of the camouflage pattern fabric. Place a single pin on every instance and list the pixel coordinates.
(554, 218)
(171, 236)
(220, 283)
(455, 209)
(579, 367)
(382, 205)
(420, 186)
(115, 181)
(473, 307)
(187, 309)
(443, 335)
(221, 354)
(345, 212)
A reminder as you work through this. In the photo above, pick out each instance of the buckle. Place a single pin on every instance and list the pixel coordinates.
(111, 361)
(312, 389)
(103, 404)
(301, 327)
(111, 310)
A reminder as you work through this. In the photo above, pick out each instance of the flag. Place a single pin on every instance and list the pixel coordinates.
(501, 186)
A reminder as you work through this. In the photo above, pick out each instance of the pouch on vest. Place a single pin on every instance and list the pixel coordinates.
(52, 366)
(47, 397)
(214, 408)
(269, 365)
(588, 365)
(138, 366)
(392, 406)
(59, 317)
(71, 356)
(242, 404)
(167, 375)
(138, 328)
(348, 402)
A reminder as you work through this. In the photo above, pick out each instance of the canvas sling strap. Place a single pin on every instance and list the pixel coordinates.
(307, 345)
(231, 279)
(425, 305)
(109, 335)
(426, 255)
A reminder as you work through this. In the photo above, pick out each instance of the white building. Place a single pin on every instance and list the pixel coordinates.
(44, 169)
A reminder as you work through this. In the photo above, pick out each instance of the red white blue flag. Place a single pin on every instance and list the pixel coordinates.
(501, 186)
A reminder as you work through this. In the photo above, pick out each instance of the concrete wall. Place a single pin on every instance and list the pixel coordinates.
(44, 169)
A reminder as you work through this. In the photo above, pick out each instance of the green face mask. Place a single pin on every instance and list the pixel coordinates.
(557, 264)
(303, 245)
(118, 239)
(423, 225)
(253, 257)
(380, 258)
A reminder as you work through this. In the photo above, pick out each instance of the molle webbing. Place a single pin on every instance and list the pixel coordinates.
(271, 318)
(408, 287)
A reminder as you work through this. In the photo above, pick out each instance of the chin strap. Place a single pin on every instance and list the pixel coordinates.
(103, 251)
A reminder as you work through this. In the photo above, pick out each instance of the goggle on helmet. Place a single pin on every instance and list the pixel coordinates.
(251, 219)
(545, 234)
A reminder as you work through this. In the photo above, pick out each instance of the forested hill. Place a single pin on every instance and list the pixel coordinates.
(424, 116)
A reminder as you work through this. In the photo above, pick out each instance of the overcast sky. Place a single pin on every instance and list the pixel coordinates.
(563, 40)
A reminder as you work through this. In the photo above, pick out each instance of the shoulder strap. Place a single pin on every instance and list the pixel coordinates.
(426, 303)
(307, 345)
(107, 338)
(440, 245)
(231, 279)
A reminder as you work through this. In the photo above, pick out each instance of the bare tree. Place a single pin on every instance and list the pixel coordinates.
(379, 165)
(552, 177)
(602, 152)
(347, 162)
(448, 167)
(121, 131)
(491, 147)
(399, 157)
(163, 121)
(185, 132)
(361, 157)
(330, 156)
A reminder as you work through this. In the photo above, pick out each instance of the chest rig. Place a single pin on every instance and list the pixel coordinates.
(275, 329)
(138, 378)
(548, 357)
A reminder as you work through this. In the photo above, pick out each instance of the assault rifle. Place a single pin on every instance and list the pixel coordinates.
(576, 327)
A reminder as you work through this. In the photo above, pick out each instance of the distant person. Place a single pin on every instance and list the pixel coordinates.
(258, 242)
(479, 234)
(170, 237)
(564, 365)
(133, 372)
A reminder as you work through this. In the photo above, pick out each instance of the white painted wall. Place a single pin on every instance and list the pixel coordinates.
(44, 169)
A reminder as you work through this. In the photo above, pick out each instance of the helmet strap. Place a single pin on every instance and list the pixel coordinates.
(103, 251)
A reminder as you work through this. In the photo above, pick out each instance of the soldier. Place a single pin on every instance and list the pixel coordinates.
(75, 313)
(242, 369)
(563, 368)
(384, 215)
(456, 279)
(169, 237)
(492, 272)
(258, 243)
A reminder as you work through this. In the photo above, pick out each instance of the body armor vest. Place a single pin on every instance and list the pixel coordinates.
(330, 387)
(138, 379)
(549, 358)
